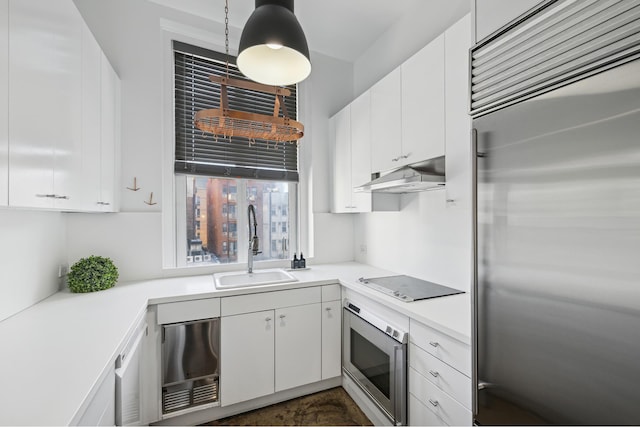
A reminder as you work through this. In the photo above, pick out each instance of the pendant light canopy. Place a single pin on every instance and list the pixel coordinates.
(273, 49)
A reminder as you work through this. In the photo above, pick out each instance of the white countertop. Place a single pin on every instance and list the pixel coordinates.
(55, 352)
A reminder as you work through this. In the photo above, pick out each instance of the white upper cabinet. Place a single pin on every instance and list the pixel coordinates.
(110, 136)
(91, 119)
(62, 110)
(4, 103)
(491, 15)
(45, 105)
(351, 129)
(361, 151)
(386, 122)
(423, 104)
(341, 128)
(458, 121)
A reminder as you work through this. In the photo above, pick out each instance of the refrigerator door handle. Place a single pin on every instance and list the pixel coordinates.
(474, 269)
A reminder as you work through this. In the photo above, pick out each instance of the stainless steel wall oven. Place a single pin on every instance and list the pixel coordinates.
(375, 357)
(190, 364)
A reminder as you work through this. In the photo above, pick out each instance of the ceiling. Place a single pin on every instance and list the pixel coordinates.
(343, 29)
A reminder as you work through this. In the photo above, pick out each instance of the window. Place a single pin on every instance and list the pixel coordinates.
(284, 227)
(263, 174)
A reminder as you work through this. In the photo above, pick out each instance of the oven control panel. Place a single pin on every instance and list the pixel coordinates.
(380, 324)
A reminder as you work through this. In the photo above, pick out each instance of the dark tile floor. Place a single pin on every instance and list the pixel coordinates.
(331, 407)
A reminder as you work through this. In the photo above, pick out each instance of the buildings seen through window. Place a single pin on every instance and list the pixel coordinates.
(214, 226)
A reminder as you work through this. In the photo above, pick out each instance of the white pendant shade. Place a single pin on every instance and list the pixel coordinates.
(278, 66)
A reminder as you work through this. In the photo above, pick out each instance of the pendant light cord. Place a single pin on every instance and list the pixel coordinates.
(226, 33)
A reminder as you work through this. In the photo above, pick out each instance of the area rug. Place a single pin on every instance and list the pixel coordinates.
(333, 407)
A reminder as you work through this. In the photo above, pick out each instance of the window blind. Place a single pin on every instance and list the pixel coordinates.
(200, 153)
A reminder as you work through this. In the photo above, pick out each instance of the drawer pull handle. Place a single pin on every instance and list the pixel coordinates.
(328, 308)
(434, 373)
(268, 319)
(282, 316)
(433, 402)
(434, 343)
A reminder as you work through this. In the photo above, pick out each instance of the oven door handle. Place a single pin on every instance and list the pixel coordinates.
(400, 386)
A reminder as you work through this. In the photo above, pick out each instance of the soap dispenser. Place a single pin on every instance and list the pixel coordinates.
(302, 262)
(295, 263)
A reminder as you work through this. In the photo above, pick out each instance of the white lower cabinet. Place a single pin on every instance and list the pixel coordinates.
(102, 408)
(439, 378)
(298, 347)
(420, 415)
(246, 356)
(331, 338)
(275, 341)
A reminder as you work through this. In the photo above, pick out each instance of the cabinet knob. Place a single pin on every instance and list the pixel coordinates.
(268, 319)
(328, 308)
(434, 343)
(434, 373)
(282, 316)
(433, 402)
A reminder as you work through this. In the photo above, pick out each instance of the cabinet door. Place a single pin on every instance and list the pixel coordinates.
(386, 122)
(246, 356)
(341, 198)
(420, 415)
(109, 135)
(361, 151)
(44, 102)
(102, 409)
(298, 341)
(458, 121)
(91, 111)
(331, 339)
(4, 103)
(423, 104)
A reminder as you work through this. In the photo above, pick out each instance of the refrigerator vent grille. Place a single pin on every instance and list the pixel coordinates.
(189, 394)
(558, 43)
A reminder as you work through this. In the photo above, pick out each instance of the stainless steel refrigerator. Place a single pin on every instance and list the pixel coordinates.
(557, 297)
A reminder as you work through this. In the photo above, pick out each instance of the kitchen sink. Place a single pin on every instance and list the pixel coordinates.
(239, 279)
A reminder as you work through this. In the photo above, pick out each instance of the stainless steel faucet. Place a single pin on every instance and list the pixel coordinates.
(254, 242)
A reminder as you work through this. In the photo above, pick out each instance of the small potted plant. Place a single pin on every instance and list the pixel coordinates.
(91, 274)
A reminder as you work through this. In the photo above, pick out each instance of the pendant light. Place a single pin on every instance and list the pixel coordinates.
(228, 123)
(273, 49)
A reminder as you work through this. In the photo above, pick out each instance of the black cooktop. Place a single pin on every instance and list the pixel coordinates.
(407, 288)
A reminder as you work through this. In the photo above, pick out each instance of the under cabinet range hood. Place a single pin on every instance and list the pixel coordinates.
(420, 176)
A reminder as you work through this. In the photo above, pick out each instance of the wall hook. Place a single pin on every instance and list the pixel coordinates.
(150, 202)
(135, 185)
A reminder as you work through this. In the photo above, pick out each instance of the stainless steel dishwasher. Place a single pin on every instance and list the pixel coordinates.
(190, 364)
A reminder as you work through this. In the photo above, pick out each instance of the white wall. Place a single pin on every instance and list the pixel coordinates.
(32, 246)
(405, 38)
(130, 32)
(430, 237)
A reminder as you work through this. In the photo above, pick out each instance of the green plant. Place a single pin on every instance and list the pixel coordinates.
(91, 274)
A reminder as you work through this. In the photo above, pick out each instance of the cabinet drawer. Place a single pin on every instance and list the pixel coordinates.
(420, 415)
(444, 376)
(269, 300)
(443, 405)
(184, 311)
(442, 346)
(331, 293)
